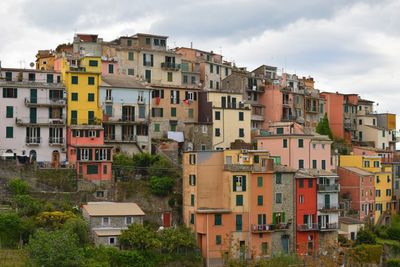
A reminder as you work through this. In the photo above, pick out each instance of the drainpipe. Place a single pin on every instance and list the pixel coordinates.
(208, 251)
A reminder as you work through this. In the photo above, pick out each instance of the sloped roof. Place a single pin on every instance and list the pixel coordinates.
(358, 171)
(349, 220)
(122, 81)
(113, 209)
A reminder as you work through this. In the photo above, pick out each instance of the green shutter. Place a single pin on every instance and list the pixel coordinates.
(161, 112)
(96, 154)
(274, 218)
(9, 132)
(78, 154)
(259, 181)
(283, 217)
(92, 169)
(10, 112)
(244, 183)
(108, 154)
(234, 183)
(90, 154)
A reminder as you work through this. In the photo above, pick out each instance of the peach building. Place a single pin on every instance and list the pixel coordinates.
(237, 203)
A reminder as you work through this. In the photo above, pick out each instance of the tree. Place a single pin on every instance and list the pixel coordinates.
(139, 237)
(26, 205)
(10, 229)
(161, 186)
(365, 236)
(54, 219)
(174, 238)
(323, 127)
(55, 248)
(18, 186)
(79, 227)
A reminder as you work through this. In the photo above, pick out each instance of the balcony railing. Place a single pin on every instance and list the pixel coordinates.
(22, 121)
(328, 208)
(329, 227)
(328, 188)
(32, 140)
(125, 138)
(289, 117)
(307, 227)
(170, 65)
(44, 102)
(260, 228)
(56, 141)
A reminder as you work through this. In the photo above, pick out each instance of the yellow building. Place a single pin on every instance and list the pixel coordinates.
(383, 180)
(82, 78)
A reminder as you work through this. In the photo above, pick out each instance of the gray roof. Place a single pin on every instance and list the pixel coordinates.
(122, 81)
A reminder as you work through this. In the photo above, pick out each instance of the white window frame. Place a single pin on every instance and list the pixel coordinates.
(105, 224)
(114, 238)
(301, 199)
(239, 183)
(126, 220)
(84, 154)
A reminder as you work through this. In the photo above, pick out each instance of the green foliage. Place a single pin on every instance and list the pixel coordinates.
(174, 238)
(62, 179)
(280, 260)
(139, 237)
(79, 227)
(323, 127)
(121, 159)
(54, 219)
(365, 236)
(161, 186)
(162, 167)
(18, 186)
(26, 205)
(55, 248)
(13, 258)
(129, 258)
(393, 263)
(393, 233)
(10, 229)
(366, 254)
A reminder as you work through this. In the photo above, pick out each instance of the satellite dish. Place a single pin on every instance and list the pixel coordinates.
(32, 64)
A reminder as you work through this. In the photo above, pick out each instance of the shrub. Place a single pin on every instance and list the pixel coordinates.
(18, 186)
(365, 236)
(393, 263)
(161, 186)
(393, 233)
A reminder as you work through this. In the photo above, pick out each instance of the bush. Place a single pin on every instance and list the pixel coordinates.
(365, 236)
(393, 263)
(26, 205)
(18, 186)
(161, 186)
(393, 233)
(366, 254)
(54, 219)
(10, 229)
(79, 227)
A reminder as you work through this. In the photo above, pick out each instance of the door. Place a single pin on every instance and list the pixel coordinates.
(33, 95)
(90, 117)
(32, 115)
(327, 201)
(285, 244)
(55, 159)
(167, 219)
(242, 252)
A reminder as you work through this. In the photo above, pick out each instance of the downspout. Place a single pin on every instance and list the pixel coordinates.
(208, 251)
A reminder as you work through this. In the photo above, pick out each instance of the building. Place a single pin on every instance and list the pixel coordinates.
(297, 148)
(229, 201)
(107, 219)
(34, 115)
(229, 115)
(85, 134)
(126, 113)
(383, 183)
(358, 187)
(349, 227)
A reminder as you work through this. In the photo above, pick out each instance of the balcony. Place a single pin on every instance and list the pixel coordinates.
(307, 227)
(328, 207)
(329, 227)
(44, 102)
(238, 167)
(328, 188)
(264, 228)
(125, 120)
(289, 118)
(126, 138)
(32, 141)
(257, 89)
(170, 66)
(56, 141)
(256, 117)
(311, 109)
(27, 121)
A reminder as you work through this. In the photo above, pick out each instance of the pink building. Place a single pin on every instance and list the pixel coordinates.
(110, 67)
(273, 101)
(358, 187)
(297, 149)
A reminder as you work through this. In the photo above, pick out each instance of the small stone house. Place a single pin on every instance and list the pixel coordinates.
(349, 227)
(107, 220)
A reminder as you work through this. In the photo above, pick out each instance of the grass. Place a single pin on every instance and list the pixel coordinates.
(13, 257)
(387, 241)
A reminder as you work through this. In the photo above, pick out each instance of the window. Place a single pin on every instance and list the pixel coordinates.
(211, 84)
(264, 248)
(156, 127)
(239, 183)
(105, 221)
(8, 76)
(111, 241)
(217, 85)
(173, 112)
(129, 42)
(148, 60)
(279, 130)
(90, 97)
(301, 183)
(9, 132)
(310, 183)
(111, 68)
(148, 76)
(278, 178)
(217, 219)
(93, 63)
(128, 220)
(74, 79)
(192, 200)
(169, 76)
(190, 113)
(211, 68)
(92, 169)
(105, 170)
(376, 164)
(9, 112)
(148, 41)
(241, 132)
(131, 72)
(301, 142)
(239, 200)
(193, 79)
(217, 115)
(31, 77)
(191, 218)
(239, 222)
(175, 97)
(185, 79)
(10, 93)
(192, 179)
(218, 240)
(366, 164)
(323, 164)
(49, 78)
(74, 96)
(130, 56)
(241, 116)
(192, 159)
(217, 132)
(278, 198)
(377, 193)
(260, 200)
(388, 192)
(301, 164)
(74, 116)
(90, 80)
(284, 143)
(259, 181)
(157, 112)
(314, 164)
(301, 199)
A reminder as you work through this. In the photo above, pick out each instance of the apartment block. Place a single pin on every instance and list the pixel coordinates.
(34, 115)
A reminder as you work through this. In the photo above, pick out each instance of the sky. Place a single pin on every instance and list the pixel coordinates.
(349, 46)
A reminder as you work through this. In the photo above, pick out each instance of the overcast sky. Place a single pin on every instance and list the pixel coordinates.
(346, 45)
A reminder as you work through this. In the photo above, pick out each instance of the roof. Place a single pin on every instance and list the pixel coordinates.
(124, 81)
(349, 220)
(365, 100)
(107, 232)
(358, 171)
(149, 35)
(283, 168)
(112, 209)
(311, 173)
